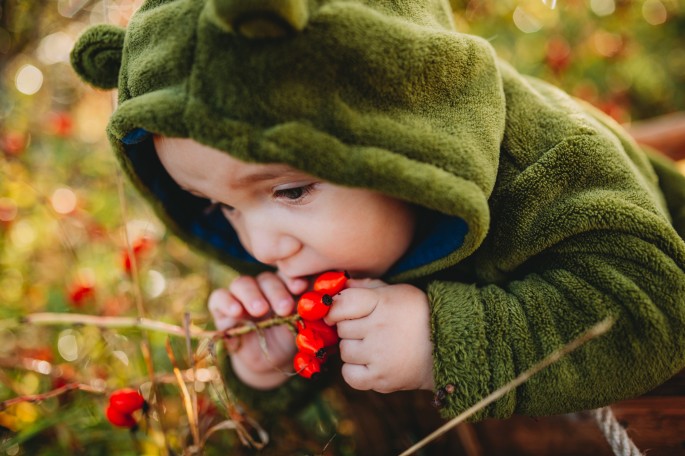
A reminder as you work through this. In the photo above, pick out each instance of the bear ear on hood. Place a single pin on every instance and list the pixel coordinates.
(96, 56)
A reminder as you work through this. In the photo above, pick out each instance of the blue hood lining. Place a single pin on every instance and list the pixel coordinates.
(441, 234)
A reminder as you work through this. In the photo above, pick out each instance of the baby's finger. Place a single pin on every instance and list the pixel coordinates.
(351, 304)
(246, 290)
(353, 351)
(352, 329)
(357, 376)
(276, 293)
(225, 310)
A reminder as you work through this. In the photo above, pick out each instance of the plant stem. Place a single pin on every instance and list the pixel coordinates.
(56, 392)
(51, 319)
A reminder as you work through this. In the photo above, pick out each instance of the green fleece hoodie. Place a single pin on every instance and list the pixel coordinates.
(546, 217)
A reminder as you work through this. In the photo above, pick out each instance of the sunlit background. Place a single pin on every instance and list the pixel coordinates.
(64, 222)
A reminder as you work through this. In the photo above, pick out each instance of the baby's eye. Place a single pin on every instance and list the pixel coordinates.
(295, 193)
(226, 208)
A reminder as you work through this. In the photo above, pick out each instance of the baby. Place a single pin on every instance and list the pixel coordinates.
(486, 218)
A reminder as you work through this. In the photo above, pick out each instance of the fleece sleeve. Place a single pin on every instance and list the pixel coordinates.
(569, 246)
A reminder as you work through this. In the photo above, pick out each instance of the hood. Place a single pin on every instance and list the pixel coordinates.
(384, 95)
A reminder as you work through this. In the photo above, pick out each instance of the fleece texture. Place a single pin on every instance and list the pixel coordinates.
(546, 219)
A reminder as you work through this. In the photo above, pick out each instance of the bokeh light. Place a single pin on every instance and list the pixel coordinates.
(155, 284)
(603, 7)
(67, 345)
(23, 234)
(29, 79)
(55, 48)
(525, 21)
(64, 200)
(654, 12)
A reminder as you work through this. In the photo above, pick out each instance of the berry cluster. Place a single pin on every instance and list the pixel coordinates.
(122, 404)
(315, 339)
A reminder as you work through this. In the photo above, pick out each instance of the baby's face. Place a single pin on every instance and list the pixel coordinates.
(291, 220)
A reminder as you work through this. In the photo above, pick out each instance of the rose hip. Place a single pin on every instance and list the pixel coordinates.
(331, 282)
(314, 305)
(307, 365)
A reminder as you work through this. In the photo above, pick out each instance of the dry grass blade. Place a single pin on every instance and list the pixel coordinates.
(191, 358)
(221, 426)
(185, 394)
(138, 296)
(595, 331)
(228, 401)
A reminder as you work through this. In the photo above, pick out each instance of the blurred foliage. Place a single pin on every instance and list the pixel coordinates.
(625, 56)
(64, 225)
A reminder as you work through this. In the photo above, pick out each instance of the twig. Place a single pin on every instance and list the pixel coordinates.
(53, 318)
(595, 331)
(54, 393)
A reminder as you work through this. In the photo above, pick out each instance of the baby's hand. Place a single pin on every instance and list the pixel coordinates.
(254, 298)
(385, 336)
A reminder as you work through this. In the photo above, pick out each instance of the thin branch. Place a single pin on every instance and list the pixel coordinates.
(53, 319)
(595, 331)
(54, 393)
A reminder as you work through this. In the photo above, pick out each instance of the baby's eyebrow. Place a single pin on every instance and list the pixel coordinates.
(259, 176)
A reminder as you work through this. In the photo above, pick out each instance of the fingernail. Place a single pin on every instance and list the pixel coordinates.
(258, 306)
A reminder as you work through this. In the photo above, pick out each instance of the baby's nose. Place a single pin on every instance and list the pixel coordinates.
(263, 19)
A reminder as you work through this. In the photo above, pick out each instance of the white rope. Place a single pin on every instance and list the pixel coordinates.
(616, 435)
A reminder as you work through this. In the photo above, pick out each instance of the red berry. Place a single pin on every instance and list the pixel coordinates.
(306, 365)
(140, 247)
(310, 342)
(331, 282)
(118, 418)
(126, 401)
(314, 305)
(80, 293)
(328, 333)
(61, 124)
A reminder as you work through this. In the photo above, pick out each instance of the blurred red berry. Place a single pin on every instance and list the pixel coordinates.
(80, 293)
(558, 56)
(39, 353)
(117, 418)
(139, 246)
(14, 143)
(126, 400)
(61, 124)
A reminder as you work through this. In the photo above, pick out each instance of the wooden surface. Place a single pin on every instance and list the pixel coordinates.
(655, 422)
(665, 133)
